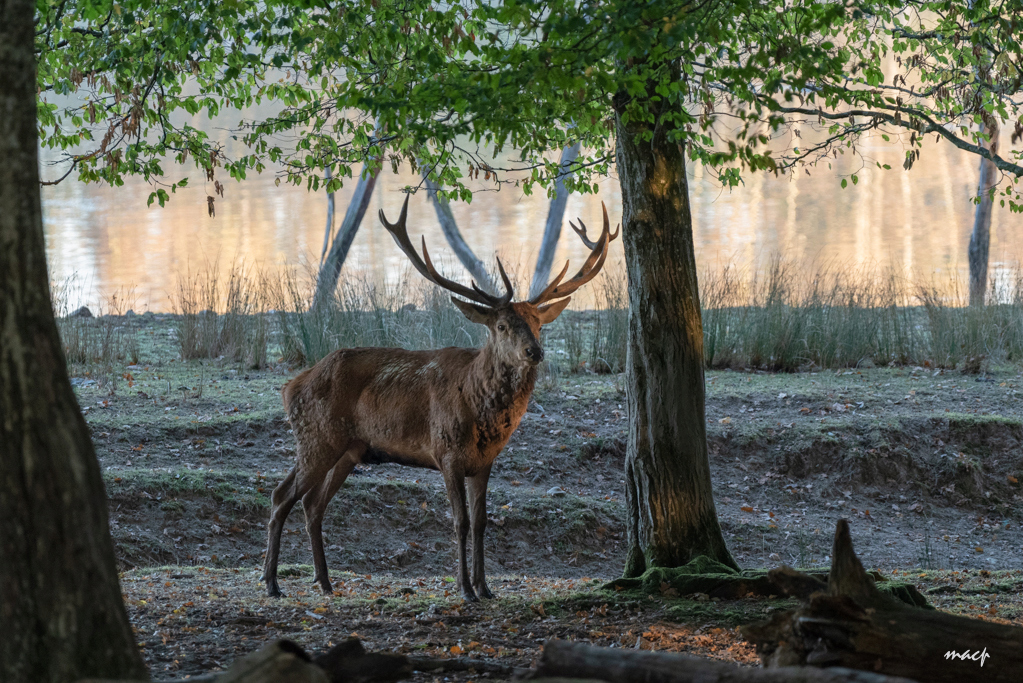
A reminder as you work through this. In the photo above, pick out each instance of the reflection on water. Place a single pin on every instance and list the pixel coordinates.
(919, 220)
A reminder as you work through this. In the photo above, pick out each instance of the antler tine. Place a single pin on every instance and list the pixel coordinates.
(400, 225)
(599, 251)
(545, 294)
(474, 294)
(581, 231)
(400, 234)
(590, 268)
(399, 231)
(509, 291)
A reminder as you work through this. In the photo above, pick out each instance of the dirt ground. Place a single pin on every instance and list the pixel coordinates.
(925, 464)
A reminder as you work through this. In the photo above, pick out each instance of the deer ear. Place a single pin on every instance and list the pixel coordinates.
(476, 314)
(547, 314)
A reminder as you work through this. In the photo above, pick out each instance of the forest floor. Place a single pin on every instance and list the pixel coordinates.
(925, 464)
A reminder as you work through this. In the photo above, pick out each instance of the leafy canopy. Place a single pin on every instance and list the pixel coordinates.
(495, 89)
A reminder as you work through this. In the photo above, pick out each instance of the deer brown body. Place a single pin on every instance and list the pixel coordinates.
(452, 410)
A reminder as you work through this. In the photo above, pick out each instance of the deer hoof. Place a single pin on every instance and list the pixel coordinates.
(470, 596)
(272, 589)
(484, 592)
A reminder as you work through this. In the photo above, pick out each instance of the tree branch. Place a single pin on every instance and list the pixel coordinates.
(931, 127)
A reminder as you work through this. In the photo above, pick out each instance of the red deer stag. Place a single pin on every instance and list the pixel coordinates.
(451, 409)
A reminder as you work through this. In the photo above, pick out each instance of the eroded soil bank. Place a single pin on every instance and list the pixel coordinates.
(926, 465)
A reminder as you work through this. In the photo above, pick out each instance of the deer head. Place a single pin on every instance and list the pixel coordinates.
(514, 326)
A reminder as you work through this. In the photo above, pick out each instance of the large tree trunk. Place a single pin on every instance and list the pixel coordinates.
(61, 613)
(671, 515)
(980, 238)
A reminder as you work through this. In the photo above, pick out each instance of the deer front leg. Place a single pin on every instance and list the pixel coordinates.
(478, 515)
(455, 482)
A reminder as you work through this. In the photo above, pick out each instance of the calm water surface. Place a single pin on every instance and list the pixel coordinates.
(918, 220)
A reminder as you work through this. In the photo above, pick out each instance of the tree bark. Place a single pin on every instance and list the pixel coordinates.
(477, 269)
(326, 281)
(61, 613)
(555, 219)
(980, 238)
(671, 514)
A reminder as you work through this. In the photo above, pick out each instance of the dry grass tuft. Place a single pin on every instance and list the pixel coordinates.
(787, 318)
(224, 320)
(783, 318)
(107, 336)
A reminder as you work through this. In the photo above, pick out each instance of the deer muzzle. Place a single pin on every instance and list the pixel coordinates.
(534, 354)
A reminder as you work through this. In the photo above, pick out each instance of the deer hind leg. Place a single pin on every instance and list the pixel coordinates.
(478, 515)
(455, 482)
(310, 472)
(315, 505)
(282, 500)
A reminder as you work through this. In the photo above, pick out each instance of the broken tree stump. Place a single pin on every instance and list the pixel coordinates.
(850, 623)
(566, 660)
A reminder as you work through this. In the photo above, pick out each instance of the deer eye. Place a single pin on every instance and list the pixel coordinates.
(500, 327)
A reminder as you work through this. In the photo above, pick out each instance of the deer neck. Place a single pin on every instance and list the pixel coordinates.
(498, 388)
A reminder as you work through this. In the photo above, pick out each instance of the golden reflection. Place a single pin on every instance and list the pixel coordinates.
(919, 221)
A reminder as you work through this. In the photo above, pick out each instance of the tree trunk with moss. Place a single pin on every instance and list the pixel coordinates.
(61, 613)
(671, 514)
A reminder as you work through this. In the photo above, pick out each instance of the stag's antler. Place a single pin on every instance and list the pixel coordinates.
(399, 232)
(581, 231)
(595, 261)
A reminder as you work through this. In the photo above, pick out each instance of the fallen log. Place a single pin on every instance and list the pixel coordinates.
(850, 623)
(432, 665)
(562, 659)
(279, 662)
(348, 662)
